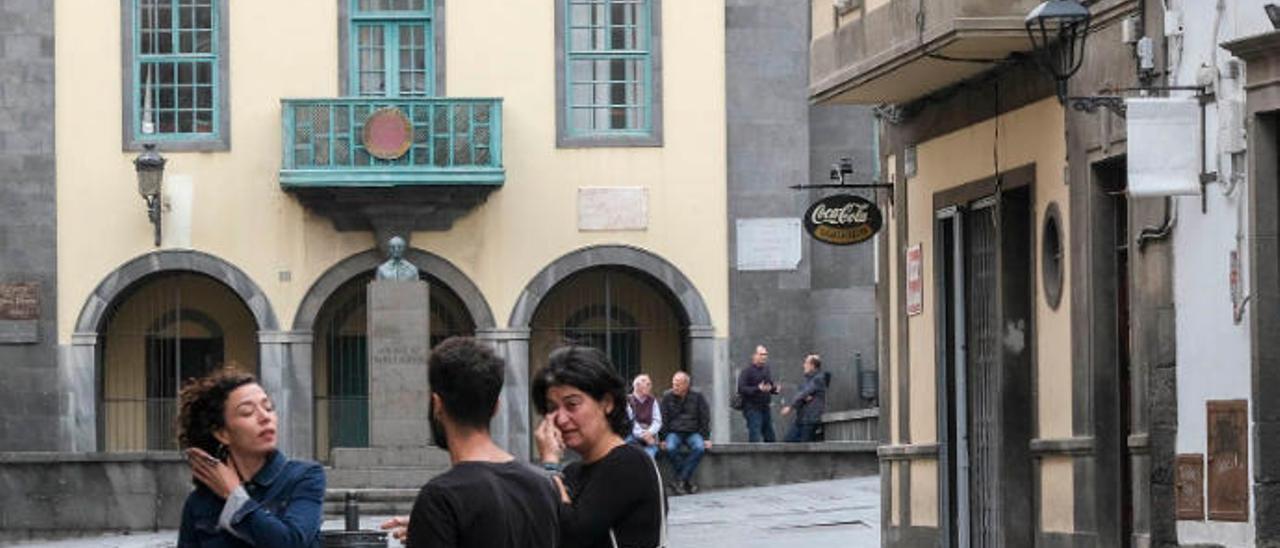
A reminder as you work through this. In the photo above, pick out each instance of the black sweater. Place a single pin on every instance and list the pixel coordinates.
(618, 492)
(749, 386)
(685, 415)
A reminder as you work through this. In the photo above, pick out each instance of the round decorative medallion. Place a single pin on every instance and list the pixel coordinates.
(387, 133)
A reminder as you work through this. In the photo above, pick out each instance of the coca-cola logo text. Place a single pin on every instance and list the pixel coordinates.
(843, 219)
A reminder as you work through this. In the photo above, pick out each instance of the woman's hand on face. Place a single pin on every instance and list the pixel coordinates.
(216, 475)
(550, 444)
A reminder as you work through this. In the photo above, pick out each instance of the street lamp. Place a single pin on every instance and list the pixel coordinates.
(150, 168)
(1057, 29)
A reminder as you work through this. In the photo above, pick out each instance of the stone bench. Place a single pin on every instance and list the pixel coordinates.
(733, 465)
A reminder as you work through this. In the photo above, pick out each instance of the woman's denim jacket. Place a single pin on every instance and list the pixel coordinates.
(281, 506)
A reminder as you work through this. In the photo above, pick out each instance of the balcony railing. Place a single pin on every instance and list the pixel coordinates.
(453, 142)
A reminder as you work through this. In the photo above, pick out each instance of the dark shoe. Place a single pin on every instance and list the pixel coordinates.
(690, 487)
(677, 488)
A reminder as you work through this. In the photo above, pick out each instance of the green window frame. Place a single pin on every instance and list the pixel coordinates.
(392, 48)
(609, 85)
(176, 72)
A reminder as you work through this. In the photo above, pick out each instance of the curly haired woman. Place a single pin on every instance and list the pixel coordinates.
(247, 492)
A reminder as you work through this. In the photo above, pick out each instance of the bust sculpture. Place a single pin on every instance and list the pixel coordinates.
(396, 268)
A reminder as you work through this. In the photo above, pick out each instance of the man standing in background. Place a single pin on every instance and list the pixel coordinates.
(756, 386)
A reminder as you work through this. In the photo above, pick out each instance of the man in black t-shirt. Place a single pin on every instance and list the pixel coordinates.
(487, 499)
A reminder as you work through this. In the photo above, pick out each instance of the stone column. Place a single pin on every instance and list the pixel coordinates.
(399, 341)
(711, 376)
(284, 368)
(510, 428)
(78, 369)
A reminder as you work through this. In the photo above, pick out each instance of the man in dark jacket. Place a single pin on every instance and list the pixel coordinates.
(756, 386)
(809, 402)
(687, 421)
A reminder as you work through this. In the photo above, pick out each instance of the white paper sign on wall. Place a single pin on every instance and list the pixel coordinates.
(915, 280)
(768, 244)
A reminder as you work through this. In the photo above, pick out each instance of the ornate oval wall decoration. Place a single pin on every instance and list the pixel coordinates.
(843, 219)
(387, 133)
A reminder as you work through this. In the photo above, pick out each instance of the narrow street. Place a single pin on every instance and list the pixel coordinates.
(838, 513)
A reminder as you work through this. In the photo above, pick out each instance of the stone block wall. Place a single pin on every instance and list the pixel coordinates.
(50, 495)
(777, 139)
(31, 404)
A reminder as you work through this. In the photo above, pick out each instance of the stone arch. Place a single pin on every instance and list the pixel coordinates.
(82, 360)
(94, 312)
(360, 263)
(686, 294)
(705, 363)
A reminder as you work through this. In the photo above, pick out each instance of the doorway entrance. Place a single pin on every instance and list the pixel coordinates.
(165, 330)
(626, 313)
(983, 251)
(341, 361)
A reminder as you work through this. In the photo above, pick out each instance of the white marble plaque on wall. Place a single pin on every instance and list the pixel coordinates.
(613, 208)
(768, 244)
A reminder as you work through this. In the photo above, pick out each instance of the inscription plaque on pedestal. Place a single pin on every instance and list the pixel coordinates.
(1228, 470)
(1189, 486)
(399, 341)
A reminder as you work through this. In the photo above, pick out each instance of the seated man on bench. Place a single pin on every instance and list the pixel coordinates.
(686, 423)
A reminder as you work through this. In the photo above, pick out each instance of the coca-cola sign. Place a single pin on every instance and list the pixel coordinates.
(843, 219)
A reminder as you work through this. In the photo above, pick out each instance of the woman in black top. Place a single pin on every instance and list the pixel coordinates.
(613, 497)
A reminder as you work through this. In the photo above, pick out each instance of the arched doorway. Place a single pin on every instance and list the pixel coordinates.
(161, 331)
(340, 358)
(626, 313)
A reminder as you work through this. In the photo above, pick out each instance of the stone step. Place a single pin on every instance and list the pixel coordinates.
(371, 502)
(365, 457)
(382, 477)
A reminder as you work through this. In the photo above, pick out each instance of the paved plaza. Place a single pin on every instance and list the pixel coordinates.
(837, 513)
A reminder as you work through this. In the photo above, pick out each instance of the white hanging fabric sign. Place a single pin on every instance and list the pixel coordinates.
(1164, 146)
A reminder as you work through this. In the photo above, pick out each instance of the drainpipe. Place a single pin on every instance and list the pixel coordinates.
(1152, 234)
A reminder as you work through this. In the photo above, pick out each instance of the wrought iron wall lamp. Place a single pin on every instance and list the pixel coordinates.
(150, 168)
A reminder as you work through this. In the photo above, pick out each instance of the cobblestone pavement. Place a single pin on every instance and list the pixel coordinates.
(837, 513)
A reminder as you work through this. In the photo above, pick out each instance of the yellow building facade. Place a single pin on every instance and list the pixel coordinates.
(633, 190)
(1022, 301)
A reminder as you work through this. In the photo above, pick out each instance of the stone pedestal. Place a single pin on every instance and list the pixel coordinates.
(399, 341)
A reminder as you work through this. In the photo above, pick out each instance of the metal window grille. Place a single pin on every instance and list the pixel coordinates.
(609, 67)
(175, 68)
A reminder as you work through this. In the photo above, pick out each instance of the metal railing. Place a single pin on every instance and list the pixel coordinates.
(453, 141)
(141, 424)
(343, 421)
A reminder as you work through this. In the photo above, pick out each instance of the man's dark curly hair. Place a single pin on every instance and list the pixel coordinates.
(589, 370)
(468, 378)
(202, 407)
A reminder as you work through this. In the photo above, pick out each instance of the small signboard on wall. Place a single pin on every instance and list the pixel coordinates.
(19, 312)
(915, 280)
(1189, 486)
(1228, 470)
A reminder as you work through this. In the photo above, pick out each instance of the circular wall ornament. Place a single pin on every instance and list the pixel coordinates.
(1052, 256)
(387, 133)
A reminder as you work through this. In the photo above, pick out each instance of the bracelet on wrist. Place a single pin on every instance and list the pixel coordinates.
(551, 466)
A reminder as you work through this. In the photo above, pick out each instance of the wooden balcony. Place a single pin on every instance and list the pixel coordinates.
(416, 164)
